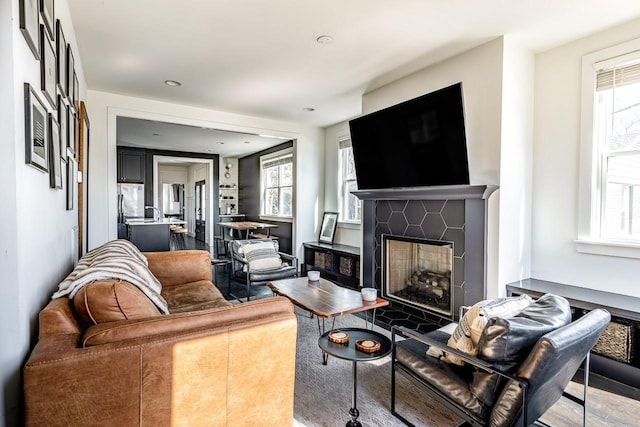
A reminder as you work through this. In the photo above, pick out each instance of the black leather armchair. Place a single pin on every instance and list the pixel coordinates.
(244, 269)
(523, 366)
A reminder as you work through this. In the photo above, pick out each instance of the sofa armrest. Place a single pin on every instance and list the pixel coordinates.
(177, 267)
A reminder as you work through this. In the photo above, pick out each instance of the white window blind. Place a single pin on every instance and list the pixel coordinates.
(617, 76)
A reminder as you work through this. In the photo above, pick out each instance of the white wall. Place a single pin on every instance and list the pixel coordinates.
(36, 248)
(555, 171)
(346, 234)
(516, 157)
(14, 345)
(105, 107)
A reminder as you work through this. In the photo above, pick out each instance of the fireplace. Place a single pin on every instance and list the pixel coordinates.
(418, 272)
(450, 223)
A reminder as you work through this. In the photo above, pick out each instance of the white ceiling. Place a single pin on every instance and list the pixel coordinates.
(167, 136)
(261, 58)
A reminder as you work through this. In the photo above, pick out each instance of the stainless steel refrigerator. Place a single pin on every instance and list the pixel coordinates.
(130, 205)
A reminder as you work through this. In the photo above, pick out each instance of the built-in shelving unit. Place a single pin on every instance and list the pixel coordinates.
(337, 263)
(228, 197)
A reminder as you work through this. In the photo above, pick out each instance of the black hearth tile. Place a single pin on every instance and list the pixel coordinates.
(453, 213)
(415, 312)
(426, 327)
(393, 314)
(455, 235)
(381, 228)
(383, 211)
(458, 268)
(407, 323)
(433, 206)
(397, 223)
(415, 212)
(377, 275)
(414, 231)
(433, 226)
(398, 205)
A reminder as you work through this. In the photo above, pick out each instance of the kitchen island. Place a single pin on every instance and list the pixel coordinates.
(151, 235)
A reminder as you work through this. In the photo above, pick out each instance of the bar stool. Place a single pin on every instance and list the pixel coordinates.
(177, 238)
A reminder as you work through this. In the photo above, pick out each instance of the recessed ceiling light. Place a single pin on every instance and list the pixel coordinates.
(173, 83)
(220, 143)
(324, 40)
(308, 109)
(247, 142)
(155, 134)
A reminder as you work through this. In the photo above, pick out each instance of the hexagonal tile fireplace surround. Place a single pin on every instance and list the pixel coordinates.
(453, 213)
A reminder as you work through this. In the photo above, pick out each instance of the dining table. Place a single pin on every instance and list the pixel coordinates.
(247, 226)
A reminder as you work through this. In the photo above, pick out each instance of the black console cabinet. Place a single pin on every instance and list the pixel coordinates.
(337, 263)
(614, 356)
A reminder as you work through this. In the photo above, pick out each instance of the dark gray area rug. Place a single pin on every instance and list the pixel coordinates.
(323, 393)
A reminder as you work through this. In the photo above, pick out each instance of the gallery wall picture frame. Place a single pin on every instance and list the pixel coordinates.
(328, 227)
(30, 25)
(55, 171)
(83, 184)
(47, 68)
(61, 59)
(35, 130)
(68, 82)
(71, 131)
(48, 16)
(71, 181)
(76, 91)
(63, 121)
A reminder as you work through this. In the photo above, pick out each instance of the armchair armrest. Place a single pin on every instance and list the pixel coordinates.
(472, 360)
(291, 258)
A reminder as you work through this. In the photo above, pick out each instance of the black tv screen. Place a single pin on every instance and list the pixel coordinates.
(420, 142)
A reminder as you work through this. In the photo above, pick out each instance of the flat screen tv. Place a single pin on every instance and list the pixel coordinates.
(420, 142)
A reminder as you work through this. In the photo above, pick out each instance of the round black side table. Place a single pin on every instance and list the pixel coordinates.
(348, 351)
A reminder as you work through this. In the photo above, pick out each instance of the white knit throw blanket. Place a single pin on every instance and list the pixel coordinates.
(118, 259)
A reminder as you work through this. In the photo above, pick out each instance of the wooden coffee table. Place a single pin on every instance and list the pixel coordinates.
(325, 299)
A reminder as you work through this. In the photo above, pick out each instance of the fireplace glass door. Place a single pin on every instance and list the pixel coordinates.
(418, 272)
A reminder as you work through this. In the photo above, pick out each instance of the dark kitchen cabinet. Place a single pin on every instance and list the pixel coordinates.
(131, 165)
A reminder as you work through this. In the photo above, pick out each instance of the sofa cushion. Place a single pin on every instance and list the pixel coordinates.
(506, 342)
(110, 300)
(194, 296)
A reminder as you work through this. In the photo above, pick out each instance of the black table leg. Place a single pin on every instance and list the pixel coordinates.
(321, 331)
(354, 397)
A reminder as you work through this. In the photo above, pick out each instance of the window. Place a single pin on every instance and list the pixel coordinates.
(617, 138)
(349, 204)
(610, 157)
(277, 184)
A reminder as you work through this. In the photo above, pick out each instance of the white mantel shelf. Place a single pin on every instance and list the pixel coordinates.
(445, 192)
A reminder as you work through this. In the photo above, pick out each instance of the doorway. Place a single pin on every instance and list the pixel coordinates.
(175, 182)
(200, 210)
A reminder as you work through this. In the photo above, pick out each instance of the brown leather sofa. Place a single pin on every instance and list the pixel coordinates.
(107, 358)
